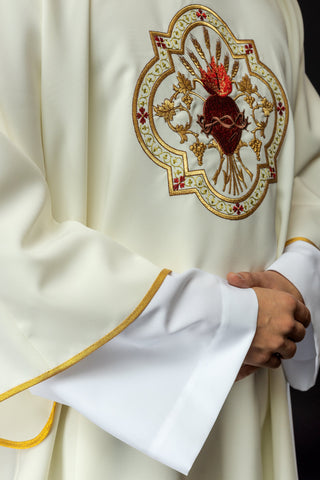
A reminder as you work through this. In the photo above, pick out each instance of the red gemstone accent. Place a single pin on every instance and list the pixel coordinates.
(249, 48)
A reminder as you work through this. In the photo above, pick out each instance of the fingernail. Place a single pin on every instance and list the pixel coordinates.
(237, 274)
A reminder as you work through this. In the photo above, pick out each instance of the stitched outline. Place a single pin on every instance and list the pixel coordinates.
(263, 177)
(34, 441)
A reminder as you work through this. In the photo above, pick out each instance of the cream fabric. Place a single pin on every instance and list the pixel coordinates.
(176, 363)
(74, 283)
(78, 256)
(159, 357)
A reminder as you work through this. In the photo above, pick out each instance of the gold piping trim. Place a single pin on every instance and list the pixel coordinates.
(300, 239)
(92, 348)
(34, 441)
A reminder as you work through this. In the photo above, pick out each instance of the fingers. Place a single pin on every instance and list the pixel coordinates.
(282, 318)
(281, 323)
(262, 359)
(297, 332)
(287, 350)
(296, 318)
(259, 279)
(243, 279)
(267, 279)
(273, 362)
(302, 314)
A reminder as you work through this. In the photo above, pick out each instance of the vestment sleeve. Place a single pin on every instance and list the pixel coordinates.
(300, 264)
(65, 288)
(160, 384)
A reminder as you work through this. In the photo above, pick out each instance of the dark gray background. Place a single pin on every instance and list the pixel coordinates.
(306, 405)
(311, 23)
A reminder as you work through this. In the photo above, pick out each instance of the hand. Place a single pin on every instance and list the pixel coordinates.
(282, 320)
(267, 279)
(298, 315)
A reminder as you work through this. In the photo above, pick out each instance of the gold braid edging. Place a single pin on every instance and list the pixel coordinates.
(92, 348)
(34, 441)
(300, 239)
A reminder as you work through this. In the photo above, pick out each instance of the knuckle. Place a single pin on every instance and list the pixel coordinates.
(291, 302)
(263, 358)
(275, 362)
(300, 332)
(308, 317)
(288, 324)
(291, 350)
(277, 344)
(258, 277)
(294, 349)
(305, 317)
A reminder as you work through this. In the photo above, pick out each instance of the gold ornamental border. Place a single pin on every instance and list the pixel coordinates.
(144, 96)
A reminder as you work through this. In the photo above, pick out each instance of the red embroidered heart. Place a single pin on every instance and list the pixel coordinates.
(221, 116)
(223, 120)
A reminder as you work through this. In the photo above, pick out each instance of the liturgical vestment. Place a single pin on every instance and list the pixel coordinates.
(147, 149)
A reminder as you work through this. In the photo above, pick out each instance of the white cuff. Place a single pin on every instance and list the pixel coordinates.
(300, 263)
(160, 384)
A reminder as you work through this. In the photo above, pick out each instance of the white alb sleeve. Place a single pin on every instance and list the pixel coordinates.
(300, 263)
(160, 384)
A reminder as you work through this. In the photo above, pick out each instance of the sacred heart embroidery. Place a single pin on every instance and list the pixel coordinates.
(208, 111)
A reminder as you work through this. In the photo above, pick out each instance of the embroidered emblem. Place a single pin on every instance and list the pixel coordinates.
(208, 111)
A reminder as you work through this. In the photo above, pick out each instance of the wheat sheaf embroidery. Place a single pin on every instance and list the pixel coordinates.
(207, 110)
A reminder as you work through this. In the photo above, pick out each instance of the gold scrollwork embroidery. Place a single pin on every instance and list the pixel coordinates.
(223, 104)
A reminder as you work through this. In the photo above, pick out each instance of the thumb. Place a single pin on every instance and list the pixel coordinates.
(242, 279)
